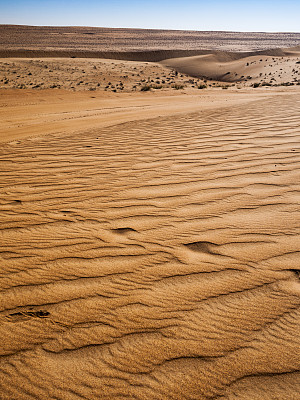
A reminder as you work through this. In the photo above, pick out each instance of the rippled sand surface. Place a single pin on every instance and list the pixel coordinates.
(155, 259)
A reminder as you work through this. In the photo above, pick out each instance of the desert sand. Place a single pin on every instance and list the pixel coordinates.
(150, 239)
(265, 68)
(18, 38)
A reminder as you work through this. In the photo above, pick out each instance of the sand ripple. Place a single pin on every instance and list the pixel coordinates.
(154, 260)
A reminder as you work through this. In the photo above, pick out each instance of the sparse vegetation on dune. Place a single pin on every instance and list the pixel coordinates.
(145, 88)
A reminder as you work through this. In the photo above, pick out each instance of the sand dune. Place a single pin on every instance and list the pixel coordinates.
(157, 259)
(219, 56)
(280, 65)
(149, 239)
(28, 113)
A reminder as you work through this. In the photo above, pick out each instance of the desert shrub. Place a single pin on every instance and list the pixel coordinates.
(202, 86)
(256, 85)
(145, 88)
(177, 86)
(156, 86)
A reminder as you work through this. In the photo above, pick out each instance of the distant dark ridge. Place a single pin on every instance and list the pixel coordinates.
(93, 39)
(150, 56)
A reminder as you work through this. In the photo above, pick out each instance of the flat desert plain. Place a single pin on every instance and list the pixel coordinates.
(149, 218)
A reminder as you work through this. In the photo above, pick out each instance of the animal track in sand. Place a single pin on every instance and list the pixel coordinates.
(122, 231)
(23, 315)
(204, 247)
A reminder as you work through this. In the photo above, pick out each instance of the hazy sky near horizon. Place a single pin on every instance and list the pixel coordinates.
(230, 15)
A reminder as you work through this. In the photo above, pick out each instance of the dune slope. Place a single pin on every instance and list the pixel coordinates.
(277, 66)
(156, 259)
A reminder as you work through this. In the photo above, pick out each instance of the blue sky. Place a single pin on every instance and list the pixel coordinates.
(231, 15)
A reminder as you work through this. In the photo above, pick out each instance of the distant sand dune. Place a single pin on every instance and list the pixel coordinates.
(233, 67)
(219, 56)
(156, 259)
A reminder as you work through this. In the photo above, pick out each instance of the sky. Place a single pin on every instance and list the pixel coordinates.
(212, 15)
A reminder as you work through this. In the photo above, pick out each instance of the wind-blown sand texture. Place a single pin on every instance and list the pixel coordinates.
(154, 259)
(149, 241)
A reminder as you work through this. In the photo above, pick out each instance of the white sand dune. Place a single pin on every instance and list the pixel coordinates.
(156, 259)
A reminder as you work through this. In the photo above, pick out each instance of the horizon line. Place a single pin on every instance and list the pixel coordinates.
(148, 29)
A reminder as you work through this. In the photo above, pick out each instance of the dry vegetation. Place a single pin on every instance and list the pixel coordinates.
(90, 74)
(88, 39)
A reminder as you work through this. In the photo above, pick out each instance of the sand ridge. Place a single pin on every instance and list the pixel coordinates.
(28, 113)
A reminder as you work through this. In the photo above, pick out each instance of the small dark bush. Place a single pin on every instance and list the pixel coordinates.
(145, 88)
(177, 86)
(202, 86)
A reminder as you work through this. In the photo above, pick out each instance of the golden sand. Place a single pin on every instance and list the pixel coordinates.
(149, 244)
